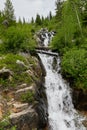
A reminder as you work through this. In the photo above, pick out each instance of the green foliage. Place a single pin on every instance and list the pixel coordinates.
(32, 20)
(58, 10)
(71, 40)
(24, 20)
(83, 4)
(19, 21)
(28, 97)
(1, 17)
(9, 11)
(38, 20)
(69, 25)
(6, 125)
(74, 65)
(14, 38)
(19, 38)
(19, 71)
(50, 15)
(9, 60)
(3, 124)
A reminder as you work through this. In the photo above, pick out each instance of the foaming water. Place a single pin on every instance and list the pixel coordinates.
(62, 115)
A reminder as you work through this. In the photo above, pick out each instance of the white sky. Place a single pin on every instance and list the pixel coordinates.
(29, 8)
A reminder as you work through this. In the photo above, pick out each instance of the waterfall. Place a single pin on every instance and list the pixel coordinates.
(62, 115)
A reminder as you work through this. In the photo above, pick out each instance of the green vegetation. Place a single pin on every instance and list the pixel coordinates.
(18, 70)
(27, 97)
(75, 67)
(5, 125)
(38, 20)
(18, 38)
(71, 40)
(9, 11)
(70, 24)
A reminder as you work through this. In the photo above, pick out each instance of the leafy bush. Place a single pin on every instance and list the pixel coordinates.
(14, 38)
(74, 66)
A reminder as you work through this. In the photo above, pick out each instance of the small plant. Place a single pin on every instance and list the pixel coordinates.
(28, 97)
(6, 125)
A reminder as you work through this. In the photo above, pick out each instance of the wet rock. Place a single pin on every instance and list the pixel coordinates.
(49, 34)
(54, 64)
(60, 88)
(67, 123)
(42, 35)
(46, 128)
(85, 123)
(41, 107)
(38, 40)
(80, 99)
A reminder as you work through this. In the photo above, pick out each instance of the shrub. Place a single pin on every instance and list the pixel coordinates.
(74, 65)
(14, 38)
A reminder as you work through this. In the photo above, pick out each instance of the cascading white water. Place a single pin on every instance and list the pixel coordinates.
(62, 115)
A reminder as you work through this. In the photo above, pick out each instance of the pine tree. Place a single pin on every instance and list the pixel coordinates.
(20, 21)
(32, 20)
(38, 20)
(50, 15)
(0, 13)
(59, 9)
(9, 11)
(42, 19)
(24, 20)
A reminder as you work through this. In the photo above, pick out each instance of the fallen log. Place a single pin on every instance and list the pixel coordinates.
(47, 52)
(43, 48)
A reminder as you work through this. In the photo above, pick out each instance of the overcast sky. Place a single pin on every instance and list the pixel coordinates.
(29, 8)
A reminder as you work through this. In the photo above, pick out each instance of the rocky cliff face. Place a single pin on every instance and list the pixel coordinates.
(25, 105)
(41, 107)
(80, 99)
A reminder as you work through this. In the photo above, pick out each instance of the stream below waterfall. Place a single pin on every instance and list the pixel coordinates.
(62, 115)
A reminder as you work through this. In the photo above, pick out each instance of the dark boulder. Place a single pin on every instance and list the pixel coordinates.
(41, 107)
(79, 99)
